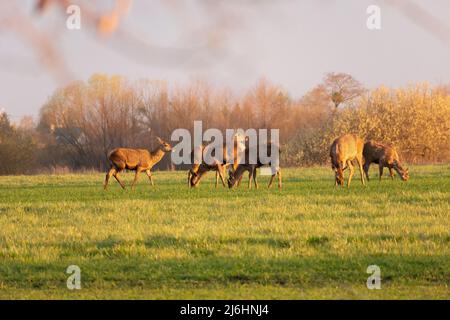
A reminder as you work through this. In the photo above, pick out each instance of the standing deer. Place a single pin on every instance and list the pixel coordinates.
(385, 156)
(343, 151)
(138, 160)
(245, 165)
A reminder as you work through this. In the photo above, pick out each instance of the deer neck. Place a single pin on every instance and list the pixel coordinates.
(157, 155)
(239, 172)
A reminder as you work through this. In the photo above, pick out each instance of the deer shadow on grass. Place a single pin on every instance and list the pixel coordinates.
(163, 241)
(197, 270)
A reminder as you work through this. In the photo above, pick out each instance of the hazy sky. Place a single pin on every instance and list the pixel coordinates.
(234, 43)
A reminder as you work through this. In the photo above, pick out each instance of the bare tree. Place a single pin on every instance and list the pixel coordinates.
(342, 88)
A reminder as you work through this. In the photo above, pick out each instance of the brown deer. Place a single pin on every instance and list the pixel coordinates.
(245, 165)
(198, 170)
(385, 156)
(138, 160)
(343, 151)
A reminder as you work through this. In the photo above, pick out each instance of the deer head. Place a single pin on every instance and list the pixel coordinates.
(231, 181)
(196, 176)
(164, 146)
(403, 172)
(339, 175)
(234, 177)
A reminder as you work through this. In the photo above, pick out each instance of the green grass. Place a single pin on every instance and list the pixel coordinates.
(309, 240)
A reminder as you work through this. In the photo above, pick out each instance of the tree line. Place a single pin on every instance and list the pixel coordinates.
(81, 122)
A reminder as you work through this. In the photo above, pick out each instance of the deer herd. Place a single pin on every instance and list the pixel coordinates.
(345, 152)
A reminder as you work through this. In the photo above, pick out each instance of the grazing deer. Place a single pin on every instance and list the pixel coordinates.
(245, 165)
(138, 160)
(198, 170)
(343, 151)
(385, 156)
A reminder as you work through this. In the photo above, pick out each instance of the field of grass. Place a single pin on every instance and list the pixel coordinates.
(309, 240)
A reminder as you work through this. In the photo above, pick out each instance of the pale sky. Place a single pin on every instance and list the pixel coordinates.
(234, 43)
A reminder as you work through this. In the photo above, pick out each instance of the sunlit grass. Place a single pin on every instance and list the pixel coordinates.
(309, 240)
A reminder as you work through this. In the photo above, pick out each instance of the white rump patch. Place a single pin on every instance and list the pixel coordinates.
(267, 171)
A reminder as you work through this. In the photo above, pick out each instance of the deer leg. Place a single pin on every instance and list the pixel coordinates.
(391, 173)
(217, 177)
(250, 176)
(239, 181)
(380, 168)
(149, 175)
(361, 171)
(110, 173)
(270, 182)
(116, 175)
(350, 175)
(189, 178)
(279, 179)
(366, 168)
(255, 179)
(219, 173)
(222, 174)
(136, 176)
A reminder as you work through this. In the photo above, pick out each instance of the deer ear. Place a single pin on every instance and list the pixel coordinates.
(159, 140)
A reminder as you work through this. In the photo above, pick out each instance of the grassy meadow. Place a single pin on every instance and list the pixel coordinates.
(308, 241)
